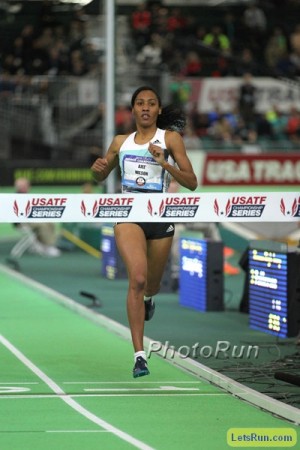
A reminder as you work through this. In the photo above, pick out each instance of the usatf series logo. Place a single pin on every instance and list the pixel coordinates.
(108, 207)
(40, 208)
(293, 210)
(175, 207)
(252, 206)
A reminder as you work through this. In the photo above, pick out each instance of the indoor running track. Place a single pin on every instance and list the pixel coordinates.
(66, 383)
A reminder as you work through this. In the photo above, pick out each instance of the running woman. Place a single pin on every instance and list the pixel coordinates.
(148, 158)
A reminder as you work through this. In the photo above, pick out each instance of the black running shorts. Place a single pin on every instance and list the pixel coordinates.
(153, 230)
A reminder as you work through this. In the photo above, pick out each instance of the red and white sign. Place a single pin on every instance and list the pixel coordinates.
(180, 207)
(229, 169)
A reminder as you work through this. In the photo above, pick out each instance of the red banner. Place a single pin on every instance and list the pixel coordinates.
(229, 169)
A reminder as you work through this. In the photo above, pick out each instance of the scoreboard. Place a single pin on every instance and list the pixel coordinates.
(274, 284)
(201, 278)
(112, 266)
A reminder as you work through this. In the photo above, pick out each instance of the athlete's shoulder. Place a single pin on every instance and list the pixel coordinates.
(119, 139)
(172, 136)
(172, 133)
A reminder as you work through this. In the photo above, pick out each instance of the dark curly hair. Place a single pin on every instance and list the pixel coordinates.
(171, 117)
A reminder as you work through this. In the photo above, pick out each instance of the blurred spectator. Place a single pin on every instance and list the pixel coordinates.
(252, 144)
(276, 47)
(45, 233)
(217, 40)
(180, 90)
(174, 60)
(245, 63)
(263, 127)
(256, 26)
(77, 33)
(293, 125)
(38, 64)
(150, 56)
(198, 120)
(244, 133)
(200, 33)
(285, 66)
(278, 122)
(77, 65)
(160, 16)
(221, 130)
(190, 138)
(295, 40)
(176, 21)
(192, 65)
(255, 18)
(295, 49)
(9, 65)
(214, 115)
(232, 117)
(18, 54)
(222, 66)
(123, 120)
(28, 36)
(229, 26)
(247, 99)
(7, 85)
(58, 61)
(90, 55)
(141, 25)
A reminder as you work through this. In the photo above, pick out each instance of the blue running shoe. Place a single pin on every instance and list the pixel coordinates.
(149, 309)
(140, 368)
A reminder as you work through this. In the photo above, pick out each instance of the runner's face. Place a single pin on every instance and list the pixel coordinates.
(146, 108)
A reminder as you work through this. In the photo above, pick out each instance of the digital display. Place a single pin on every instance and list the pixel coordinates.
(112, 264)
(193, 276)
(268, 287)
(109, 253)
(201, 277)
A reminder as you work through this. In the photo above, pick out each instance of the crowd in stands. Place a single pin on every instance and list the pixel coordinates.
(51, 47)
(246, 44)
(242, 127)
(175, 39)
(170, 39)
(183, 44)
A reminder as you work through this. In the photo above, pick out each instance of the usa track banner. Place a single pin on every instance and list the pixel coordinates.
(183, 207)
(268, 169)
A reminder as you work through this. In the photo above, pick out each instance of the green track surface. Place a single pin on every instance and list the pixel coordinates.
(77, 355)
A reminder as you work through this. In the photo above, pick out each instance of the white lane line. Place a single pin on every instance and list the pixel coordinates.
(55, 396)
(13, 389)
(160, 389)
(77, 431)
(69, 401)
(132, 382)
(18, 382)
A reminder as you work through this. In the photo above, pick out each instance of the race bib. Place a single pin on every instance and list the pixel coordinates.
(142, 172)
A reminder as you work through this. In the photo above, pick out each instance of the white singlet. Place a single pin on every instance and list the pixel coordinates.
(139, 170)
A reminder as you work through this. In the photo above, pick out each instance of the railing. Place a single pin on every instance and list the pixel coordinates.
(52, 111)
